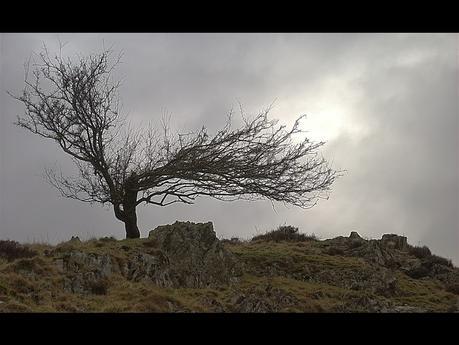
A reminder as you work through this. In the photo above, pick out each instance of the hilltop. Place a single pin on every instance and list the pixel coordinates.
(184, 267)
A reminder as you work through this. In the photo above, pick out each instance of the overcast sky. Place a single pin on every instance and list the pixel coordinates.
(386, 104)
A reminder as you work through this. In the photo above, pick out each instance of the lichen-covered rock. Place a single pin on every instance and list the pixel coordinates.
(364, 304)
(374, 252)
(147, 267)
(387, 252)
(196, 258)
(85, 272)
(376, 280)
(178, 255)
(264, 299)
(394, 241)
(354, 235)
(404, 309)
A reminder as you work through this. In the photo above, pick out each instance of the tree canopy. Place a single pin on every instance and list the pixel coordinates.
(77, 105)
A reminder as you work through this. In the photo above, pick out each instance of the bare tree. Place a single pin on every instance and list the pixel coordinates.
(77, 105)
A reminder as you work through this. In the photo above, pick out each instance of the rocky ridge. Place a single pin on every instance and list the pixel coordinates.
(184, 267)
(183, 254)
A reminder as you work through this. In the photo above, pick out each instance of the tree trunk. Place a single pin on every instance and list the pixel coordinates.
(129, 215)
(129, 218)
(130, 224)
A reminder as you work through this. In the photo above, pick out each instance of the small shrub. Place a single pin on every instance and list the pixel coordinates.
(437, 260)
(285, 233)
(430, 266)
(11, 250)
(420, 252)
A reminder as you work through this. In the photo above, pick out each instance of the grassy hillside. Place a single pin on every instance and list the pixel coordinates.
(275, 274)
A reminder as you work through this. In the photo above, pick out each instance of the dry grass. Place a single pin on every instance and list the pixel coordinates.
(35, 284)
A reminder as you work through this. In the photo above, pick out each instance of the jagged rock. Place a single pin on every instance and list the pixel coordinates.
(433, 267)
(355, 235)
(184, 255)
(77, 260)
(365, 303)
(196, 258)
(381, 252)
(85, 272)
(187, 255)
(404, 309)
(394, 241)
(377, 280)
(263, 300)
(146, 267)
(355, 240)
(388, 284)
(375, 252)
(338, 241)
(342, 245)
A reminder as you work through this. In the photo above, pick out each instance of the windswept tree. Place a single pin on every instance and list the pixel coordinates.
(76, 104)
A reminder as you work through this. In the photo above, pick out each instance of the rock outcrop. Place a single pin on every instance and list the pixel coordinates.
(150, 268)
(263, 299)
(394, 241)
(196, 257)
(389, 251)
(85, 273)
(355, 236)
(183, 254)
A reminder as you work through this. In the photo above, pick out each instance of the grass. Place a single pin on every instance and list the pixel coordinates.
(35, 284)
(262, 254)
(424, 293)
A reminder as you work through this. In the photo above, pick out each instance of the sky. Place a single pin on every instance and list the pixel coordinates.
(385, 104)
